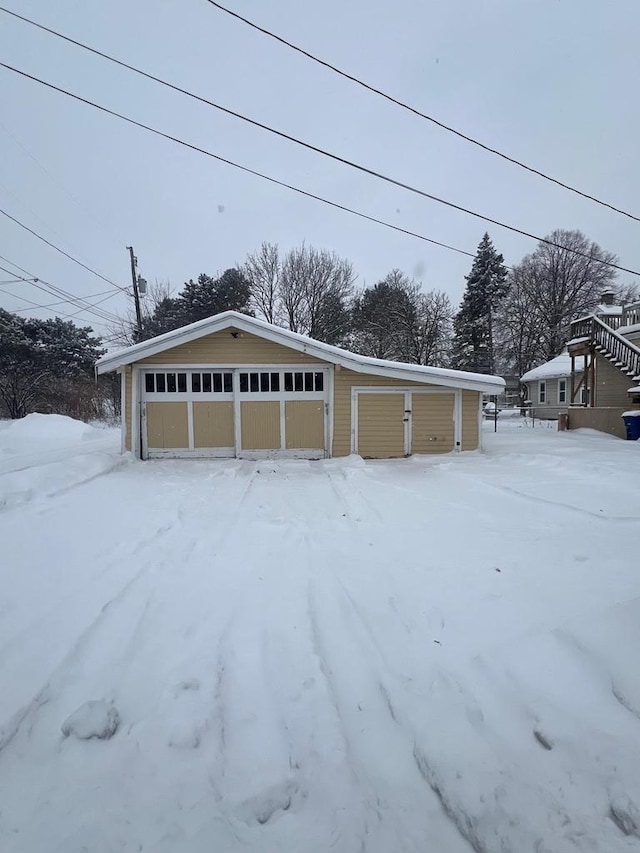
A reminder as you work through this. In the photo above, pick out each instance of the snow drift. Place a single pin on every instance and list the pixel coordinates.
(41, 455)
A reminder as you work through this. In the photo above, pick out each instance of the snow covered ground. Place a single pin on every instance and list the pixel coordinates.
(421, 655)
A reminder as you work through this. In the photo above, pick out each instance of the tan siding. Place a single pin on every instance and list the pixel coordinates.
(167, 426)
(344, 380)
(223, 348)
(304, 424)
(432, 428)
(611, 384)
(213, 425)
(470, 406)
(605, 420)
(380, 425)
(127, 408)
(260, 423)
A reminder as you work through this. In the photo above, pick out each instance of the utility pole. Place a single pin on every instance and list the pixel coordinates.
(136, 295)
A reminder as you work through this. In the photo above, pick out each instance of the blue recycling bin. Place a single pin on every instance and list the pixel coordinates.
(632, 425)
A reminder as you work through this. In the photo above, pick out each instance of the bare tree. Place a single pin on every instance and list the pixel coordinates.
(396, 320)
(517, 323)
(262, 269)
(548, 289)
(308, 290)
(626, 293)
(565, 285)
(434, 329)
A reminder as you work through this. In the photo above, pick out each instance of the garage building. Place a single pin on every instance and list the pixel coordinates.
(234, 386)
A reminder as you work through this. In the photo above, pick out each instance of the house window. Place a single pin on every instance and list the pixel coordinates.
(542, 392)
(562, 390)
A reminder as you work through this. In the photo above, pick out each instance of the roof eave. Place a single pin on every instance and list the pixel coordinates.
(137, 352)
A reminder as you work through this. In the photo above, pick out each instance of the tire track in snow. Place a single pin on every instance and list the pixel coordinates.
(455, 814)
(348, 503)
(369, 719)
(53, 684)
(63, 603)
(509, 490)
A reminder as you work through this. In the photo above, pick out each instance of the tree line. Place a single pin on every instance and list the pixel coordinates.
(313, 292)
(509, 320)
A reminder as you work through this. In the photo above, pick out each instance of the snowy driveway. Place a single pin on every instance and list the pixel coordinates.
(421, 655)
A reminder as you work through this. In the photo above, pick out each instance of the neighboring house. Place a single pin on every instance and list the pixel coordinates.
(512, 395)
(234, 386)
(549, 387)
(605, 355)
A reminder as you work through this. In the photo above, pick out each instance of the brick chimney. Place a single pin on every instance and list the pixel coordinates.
(607, 298)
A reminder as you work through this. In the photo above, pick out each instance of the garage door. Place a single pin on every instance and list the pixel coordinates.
(260, 425)
(432, 426)
(213, 427)
(304, 423)
(167, 426)
(229, 411)
(381, 425)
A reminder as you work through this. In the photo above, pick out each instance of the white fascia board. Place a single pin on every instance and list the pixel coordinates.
(291, 340)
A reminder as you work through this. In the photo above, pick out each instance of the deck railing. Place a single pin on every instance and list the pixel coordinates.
(631, 314)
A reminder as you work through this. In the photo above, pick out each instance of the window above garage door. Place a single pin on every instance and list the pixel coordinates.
(281, 383)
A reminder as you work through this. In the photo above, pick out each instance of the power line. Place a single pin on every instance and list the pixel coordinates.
(54, 304)
(335, 157)
(53, 290)
(248, 170)
(411, 109)
(58, 249)
(42, 307)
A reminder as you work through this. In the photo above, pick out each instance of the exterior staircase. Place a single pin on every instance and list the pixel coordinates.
(591, 333)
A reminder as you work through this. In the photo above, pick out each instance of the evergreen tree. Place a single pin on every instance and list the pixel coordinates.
(473, 347)
(205, 297)
(46, 365)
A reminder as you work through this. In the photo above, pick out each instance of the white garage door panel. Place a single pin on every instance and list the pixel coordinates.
(263, 410)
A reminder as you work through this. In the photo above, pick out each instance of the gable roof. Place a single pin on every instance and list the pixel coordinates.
(557, 368)
(303, 344)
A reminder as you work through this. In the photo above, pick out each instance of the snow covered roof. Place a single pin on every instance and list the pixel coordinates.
(626, 330)
(304, 344)
(556, 368)
(635, 389)
(609, 310)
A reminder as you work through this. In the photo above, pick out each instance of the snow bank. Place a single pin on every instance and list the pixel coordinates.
(46, 429)
(43, 455)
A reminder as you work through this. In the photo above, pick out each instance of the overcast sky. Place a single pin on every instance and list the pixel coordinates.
(551, 82)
